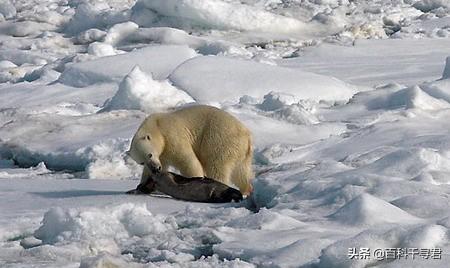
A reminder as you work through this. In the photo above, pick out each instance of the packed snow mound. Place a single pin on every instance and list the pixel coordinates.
(224, 79)
(287, 107)
(96, 14)
(101, 229)
(106, 160)
(129, 232)
(428, 5)
(30, 28)
(416, 98)
(295, 114)
(89, 36)
(273, 248)
(20, 57)
(6, 64)
(220, 14)
(408, 163)
(120, 32)
(86, 16)
(423, 205)
(438, 89)
(349, 63)
(335, 254)
(94, 143)
(413, 236)
(276, 100)
(138, 91)
(446, 73)
(56, 98)
(394, 96)
(7, 9)
(105, 259)
(171, 36)
(370, 210)
(284, 107)
(40, 169)
(100, 49)
(428, 236)
(160, 61)
(267, 129)
(266, 220)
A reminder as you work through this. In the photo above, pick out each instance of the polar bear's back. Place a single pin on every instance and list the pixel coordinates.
(206, 118)
(208, 128)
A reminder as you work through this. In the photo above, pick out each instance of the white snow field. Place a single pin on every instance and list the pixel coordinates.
(348, 103)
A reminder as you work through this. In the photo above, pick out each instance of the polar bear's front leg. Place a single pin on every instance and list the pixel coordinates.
(188, 164)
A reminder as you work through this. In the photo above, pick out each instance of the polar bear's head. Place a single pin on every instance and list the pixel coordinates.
(147, 145)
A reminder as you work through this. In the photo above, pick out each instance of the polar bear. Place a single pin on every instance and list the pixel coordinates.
(199, 141)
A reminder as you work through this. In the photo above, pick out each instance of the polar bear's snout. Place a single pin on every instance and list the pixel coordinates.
(155, 169)
(153, 164)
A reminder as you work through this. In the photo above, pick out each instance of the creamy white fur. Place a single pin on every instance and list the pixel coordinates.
(198, 141)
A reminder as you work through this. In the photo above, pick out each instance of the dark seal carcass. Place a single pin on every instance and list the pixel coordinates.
(196, 189)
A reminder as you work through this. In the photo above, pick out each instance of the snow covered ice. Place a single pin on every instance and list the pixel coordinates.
(348, 103)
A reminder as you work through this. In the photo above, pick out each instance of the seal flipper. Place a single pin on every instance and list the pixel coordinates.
(228, 195)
